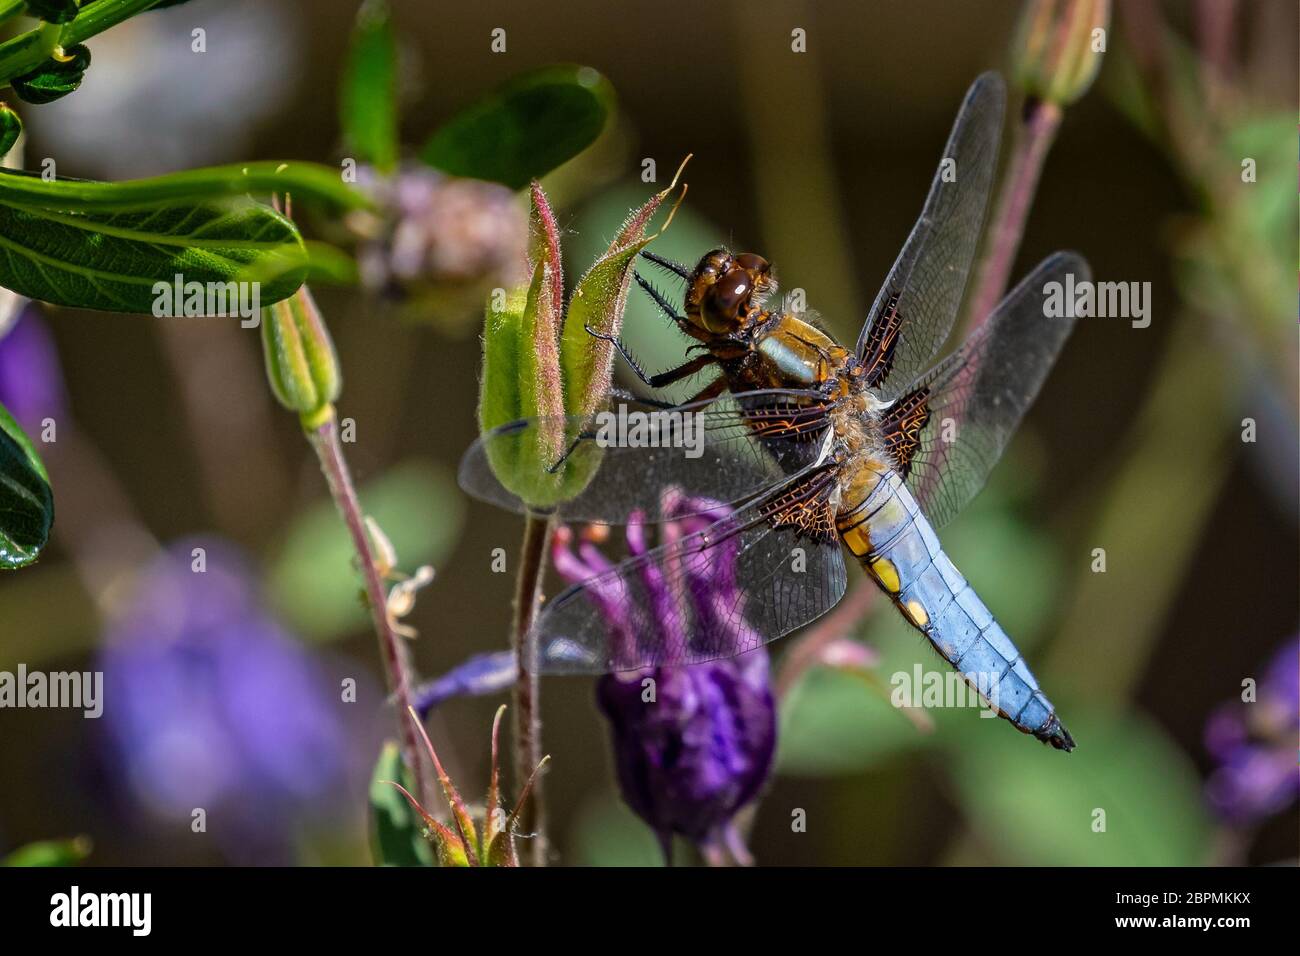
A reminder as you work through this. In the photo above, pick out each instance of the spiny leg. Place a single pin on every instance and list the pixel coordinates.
(660, 300)
(711, 390)
(674, 267)
(682, 371)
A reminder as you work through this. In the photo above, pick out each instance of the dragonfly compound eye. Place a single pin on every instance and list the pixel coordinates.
(727, 295)
(754, 264)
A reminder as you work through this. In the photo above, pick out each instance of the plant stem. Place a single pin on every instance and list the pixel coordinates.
(27, 51)
(1034, 138)
(324, 438)
(527, 716)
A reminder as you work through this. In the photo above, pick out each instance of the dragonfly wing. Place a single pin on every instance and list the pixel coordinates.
(915, 308)
(949, 430)
(741, 582)
(726, 449)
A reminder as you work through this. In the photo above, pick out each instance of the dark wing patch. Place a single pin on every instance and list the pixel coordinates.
(902, 425)
(806, 507)
(882, 337)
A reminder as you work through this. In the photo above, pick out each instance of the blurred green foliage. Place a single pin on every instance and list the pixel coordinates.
(313, 580)
(65, 852)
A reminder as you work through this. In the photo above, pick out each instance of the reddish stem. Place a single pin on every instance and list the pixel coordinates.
(324, 440)
(1033, 140)
(527, 716)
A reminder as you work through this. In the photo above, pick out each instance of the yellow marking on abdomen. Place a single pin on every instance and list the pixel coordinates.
(886, 574)
(916, 614)
(858, 540)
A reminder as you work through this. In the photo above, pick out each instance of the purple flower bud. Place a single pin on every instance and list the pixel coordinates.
(1254, 744)
(692, 745)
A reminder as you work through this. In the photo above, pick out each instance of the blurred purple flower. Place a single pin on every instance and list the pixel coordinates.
(1255, 746)
(209, 703)
(692, 757)
(31, 380)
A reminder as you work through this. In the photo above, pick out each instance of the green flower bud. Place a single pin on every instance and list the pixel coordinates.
(541, 362)
(1058, 48)
(11, 127)
(301, 363)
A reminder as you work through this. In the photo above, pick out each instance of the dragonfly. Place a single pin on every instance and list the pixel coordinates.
(818, 449)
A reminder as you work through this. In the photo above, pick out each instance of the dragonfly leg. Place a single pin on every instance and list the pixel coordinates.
(712, 390)
(674, 267)
(660, 300)
(615, 341)
(625, 395)
(654, 381)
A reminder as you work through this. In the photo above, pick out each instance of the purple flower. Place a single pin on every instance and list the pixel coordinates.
(1254, 744)
(697, 750)
(31, 380)
(210, 704)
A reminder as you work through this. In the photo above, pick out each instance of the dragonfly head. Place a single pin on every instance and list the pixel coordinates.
(725, 289)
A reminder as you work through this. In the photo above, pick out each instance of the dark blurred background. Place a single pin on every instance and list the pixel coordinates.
(821, 162)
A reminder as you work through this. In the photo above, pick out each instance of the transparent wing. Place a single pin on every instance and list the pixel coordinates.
(976, 398)
(718, 592)
(914, 310)
(726, 449)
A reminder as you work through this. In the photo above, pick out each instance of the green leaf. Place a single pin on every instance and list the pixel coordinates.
(526, 128)
(55, 78)
(304, 181)
(396, 837)
(1039, 806)
(314, 580)
(26, 503)
(11, 127)
(369, 95)
(113, 260)
(66, 852)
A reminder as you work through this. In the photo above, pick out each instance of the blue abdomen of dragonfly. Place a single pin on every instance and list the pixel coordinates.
(896, 545)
